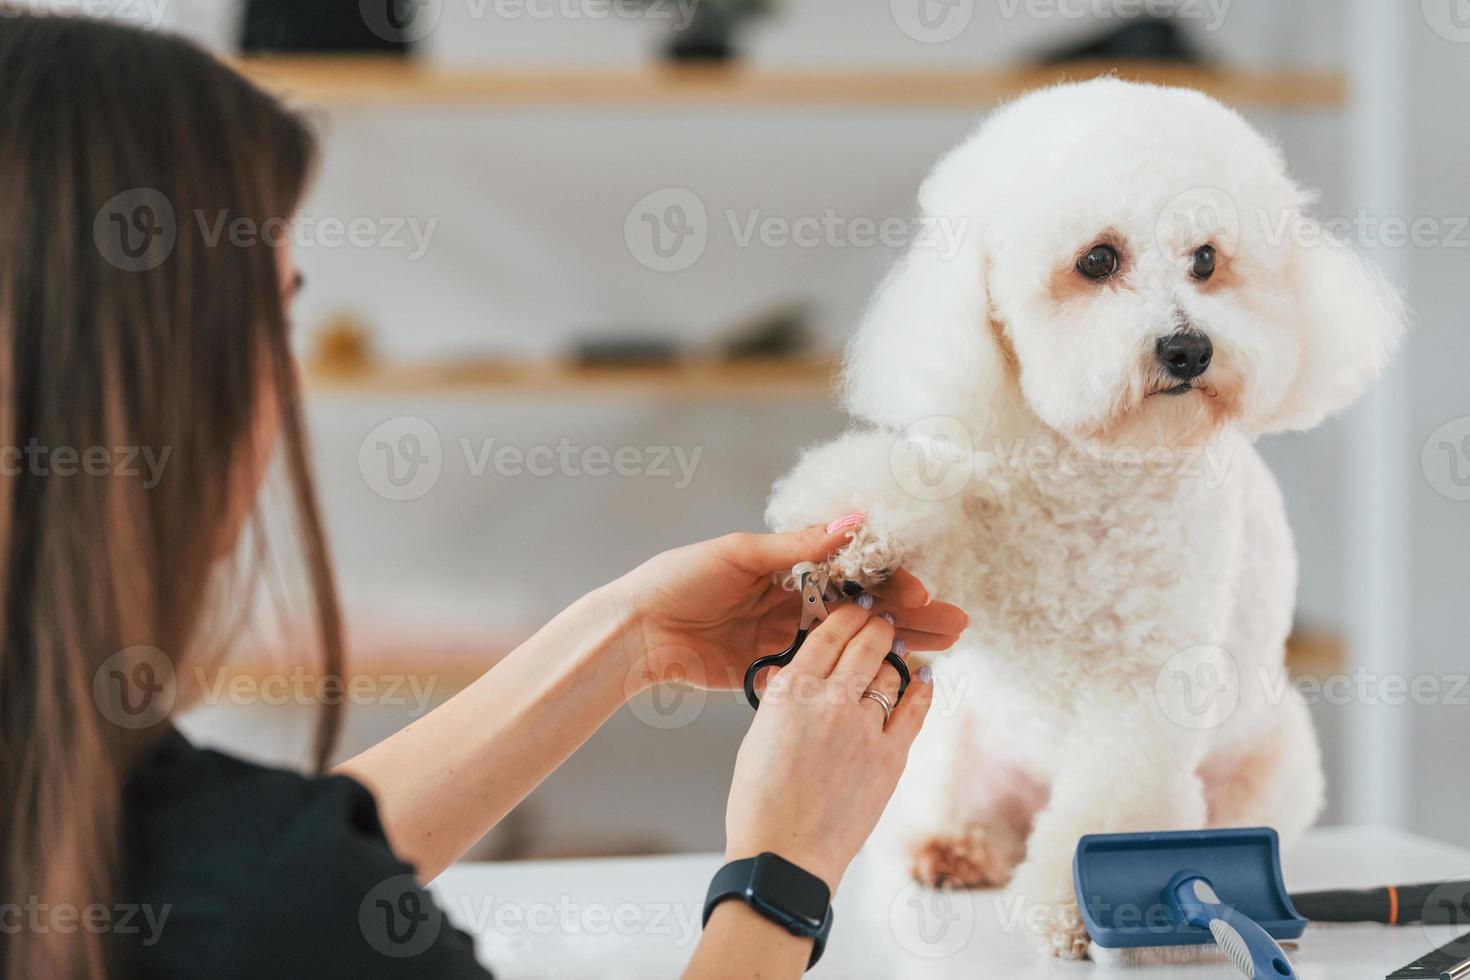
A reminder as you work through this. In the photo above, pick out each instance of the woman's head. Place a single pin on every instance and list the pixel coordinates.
(145, 372)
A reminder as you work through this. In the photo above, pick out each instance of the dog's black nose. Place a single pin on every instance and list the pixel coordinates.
(1185, 355)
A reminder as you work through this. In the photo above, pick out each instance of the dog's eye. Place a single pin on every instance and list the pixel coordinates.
(1204, 262)
(1100, 262)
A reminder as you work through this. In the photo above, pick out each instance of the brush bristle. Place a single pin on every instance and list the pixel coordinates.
(1155, 955)
(1160, 955)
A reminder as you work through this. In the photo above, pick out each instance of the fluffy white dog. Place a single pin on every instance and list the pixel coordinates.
(1055, 428)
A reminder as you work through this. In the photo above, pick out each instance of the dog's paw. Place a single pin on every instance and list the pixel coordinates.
(1056, 929)
(1050, 916)
(969, 860)
(864, 562)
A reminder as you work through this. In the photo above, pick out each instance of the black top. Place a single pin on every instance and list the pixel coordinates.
(238, 870)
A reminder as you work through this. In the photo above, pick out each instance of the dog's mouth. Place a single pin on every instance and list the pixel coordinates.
(1184, 388)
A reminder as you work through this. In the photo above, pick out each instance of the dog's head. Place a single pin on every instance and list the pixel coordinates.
(1134, 267)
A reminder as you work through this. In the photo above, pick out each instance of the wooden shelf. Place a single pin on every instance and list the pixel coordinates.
(689, 381)
(378, 81)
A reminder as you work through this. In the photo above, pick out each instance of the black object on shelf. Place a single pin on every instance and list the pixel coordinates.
(1142, 39)
(783, 333)
(709, 33)
(625, 351)
(329, 26)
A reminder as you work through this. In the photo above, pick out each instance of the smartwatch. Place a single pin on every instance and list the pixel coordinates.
(794, 899)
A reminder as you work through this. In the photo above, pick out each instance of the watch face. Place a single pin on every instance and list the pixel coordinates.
(789, 888)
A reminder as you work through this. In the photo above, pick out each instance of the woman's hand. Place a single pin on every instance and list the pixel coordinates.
(708, 610)
(814, 773)
(819, 765)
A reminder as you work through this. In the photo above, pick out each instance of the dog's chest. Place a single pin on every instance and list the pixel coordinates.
(1109, 572)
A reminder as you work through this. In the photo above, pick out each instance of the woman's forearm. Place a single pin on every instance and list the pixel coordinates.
(740, 944)
(445, 780)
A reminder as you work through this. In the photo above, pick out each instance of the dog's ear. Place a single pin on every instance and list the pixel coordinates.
(1350, 319)
(926, 346)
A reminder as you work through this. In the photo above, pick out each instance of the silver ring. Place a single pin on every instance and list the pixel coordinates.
(882, 699)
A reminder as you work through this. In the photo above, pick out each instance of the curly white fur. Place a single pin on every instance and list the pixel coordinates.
(1123, 552)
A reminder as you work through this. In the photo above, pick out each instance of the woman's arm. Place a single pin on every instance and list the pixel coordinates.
(700, 613)
(445, 780)
(741, 944)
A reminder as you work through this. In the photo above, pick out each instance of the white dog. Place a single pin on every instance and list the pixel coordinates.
(1055, 432)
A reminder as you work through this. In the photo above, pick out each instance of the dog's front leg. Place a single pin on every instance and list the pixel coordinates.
(908, 492)
(1128, 770)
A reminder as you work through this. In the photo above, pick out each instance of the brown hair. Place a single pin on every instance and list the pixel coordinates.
(125, 324)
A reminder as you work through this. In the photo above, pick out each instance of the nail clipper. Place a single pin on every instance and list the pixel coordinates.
(815, 594)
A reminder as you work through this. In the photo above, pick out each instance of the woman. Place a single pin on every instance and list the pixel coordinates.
(126, 324)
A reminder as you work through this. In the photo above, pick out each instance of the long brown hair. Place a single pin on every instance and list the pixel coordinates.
(127, 326)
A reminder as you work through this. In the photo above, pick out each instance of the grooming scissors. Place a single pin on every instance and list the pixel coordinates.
(814, 598)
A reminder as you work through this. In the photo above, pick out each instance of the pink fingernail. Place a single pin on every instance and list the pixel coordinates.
(846, 523)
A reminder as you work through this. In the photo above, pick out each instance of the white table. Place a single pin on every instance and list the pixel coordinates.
(638, 918)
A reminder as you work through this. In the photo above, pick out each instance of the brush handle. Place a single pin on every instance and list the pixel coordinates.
(1248, 946)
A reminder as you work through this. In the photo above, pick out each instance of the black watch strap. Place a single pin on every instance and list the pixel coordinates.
(789, 896)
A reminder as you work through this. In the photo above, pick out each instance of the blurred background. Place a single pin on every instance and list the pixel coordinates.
(578, 270)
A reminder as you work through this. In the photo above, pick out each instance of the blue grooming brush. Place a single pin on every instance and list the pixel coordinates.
(1189, 888)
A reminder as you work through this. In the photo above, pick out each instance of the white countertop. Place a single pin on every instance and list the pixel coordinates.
(638, 918)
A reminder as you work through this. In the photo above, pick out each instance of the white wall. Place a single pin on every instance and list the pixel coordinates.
(1437, 359)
